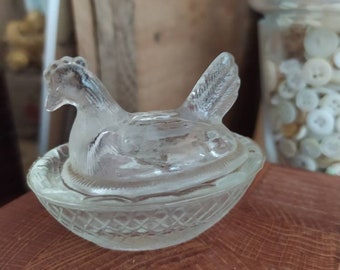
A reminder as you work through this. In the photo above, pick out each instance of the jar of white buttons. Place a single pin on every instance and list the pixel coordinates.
(300, 67)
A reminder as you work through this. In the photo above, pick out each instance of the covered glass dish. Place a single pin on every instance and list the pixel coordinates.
(140, 181)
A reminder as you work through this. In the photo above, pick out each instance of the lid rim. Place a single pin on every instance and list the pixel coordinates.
(264, 6)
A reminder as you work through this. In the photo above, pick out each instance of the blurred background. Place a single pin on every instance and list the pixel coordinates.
(148, 53)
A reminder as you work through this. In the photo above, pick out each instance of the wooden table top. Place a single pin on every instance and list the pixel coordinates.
(289, 219)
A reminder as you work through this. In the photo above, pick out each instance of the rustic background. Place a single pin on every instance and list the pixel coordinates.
(149, 54)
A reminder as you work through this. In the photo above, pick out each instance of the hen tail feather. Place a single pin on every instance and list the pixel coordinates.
(216, 90)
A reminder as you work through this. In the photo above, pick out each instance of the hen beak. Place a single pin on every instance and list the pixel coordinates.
(52, 103)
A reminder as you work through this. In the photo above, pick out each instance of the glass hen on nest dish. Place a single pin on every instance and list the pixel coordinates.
(142, 181)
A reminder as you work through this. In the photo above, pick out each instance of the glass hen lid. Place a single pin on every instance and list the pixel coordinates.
(134, 155)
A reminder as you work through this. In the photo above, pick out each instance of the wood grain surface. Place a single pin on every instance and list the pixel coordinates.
(288, 219)
(116, 49)
(85, 31)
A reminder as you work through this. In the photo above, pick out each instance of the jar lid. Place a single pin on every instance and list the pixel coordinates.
(311, 5)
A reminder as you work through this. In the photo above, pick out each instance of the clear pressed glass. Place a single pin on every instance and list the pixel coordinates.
(138, 181)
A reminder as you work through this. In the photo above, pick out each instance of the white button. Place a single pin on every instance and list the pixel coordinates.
(285, 91)
(305, 162)
(301, 133)
(307, 100)
(275, 99)
(324, 162)
(286, 111)
(336, 58)
(310, 147)
(331, 102)
(337, 124)
(270, 75)
(330, 146)
(290, 66)
(320, 122)
(287, 147)
(320, 42)
(317, 72)
(296, 81)
(334, 169)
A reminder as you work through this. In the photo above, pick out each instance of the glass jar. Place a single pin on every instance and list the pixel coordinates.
(300, 67)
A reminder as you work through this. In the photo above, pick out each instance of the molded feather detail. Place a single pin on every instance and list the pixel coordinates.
(216, 91)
